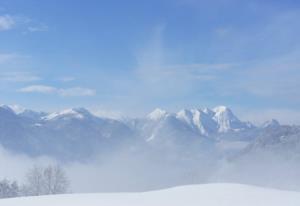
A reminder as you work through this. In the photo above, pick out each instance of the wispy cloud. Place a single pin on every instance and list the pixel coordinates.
(67, 79)
(268, 60)
(38, 28)
(7, 22)
(161, 74)
(255, 65)
(76, 91)
(23, 23)
(197, 71)
(276, 77)
(38, 89)
(19, 77)
(66, 92)
(7, 57)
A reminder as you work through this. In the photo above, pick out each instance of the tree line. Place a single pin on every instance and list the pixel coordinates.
(47, 180)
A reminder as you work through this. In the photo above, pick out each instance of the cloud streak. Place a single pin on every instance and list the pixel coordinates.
(7, 57)
(65, 92)
(38, 28)
(76, 91)
(162, 76)
(67, 79)
(28, 25)
(38, 89)
(7, 22)
(19, 77)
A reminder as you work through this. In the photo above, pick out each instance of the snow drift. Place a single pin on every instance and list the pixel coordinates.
(207, 194)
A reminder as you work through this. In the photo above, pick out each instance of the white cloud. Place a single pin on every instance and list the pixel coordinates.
(26, 24)
(7, 22)
(77, 91)
(161, 73)
(38, 89)
(67, 79)
(38, 28)
(19, 77)
(196, 71)
(4, 58)
(156, 62)
(276, 77)
(66, 92)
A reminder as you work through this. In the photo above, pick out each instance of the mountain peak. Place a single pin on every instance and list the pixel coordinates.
(157, 114)
(7, 108)
(271, 123)
(81, 110)
(208, 111)
(13, 108)
(227, 121)
(78, 113)
(221, 109)
(185, 115)
(222, 112)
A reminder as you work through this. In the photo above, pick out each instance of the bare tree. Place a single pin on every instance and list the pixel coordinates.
(8, 189)
(46, 181)
(55, 180)
(34, 182)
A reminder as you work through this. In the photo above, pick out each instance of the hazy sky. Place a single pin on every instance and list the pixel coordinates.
(132, 56)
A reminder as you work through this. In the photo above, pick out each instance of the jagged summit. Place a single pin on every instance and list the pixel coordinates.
(221, 109)
(208, 111)
(15, 108)
(271, 123)
(78, 113)
(29, 130)
(4, 107)
(226, 120)
(207, 121)
(157, 114)
(185, 115)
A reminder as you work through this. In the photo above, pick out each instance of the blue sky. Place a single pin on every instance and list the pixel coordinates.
(133, 56)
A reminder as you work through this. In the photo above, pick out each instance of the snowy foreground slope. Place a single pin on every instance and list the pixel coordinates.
(206, 195)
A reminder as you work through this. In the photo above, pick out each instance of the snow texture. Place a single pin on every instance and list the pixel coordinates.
(207, 195)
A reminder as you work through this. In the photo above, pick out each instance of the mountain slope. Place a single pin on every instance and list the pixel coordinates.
(60, 134)
(190, 131)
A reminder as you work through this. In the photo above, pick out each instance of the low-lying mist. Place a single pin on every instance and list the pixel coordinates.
(126, 171)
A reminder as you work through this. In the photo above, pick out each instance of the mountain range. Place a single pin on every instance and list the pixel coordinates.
(161, 149)
(77, 133)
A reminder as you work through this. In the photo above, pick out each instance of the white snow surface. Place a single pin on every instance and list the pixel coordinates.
(15, 108)
(220, 194)
(68, 113)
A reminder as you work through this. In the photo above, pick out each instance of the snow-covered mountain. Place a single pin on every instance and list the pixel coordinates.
(282, 140)
(219, 120)
(73, 133)
(77, 133)
(159, 150)
(193, 122)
